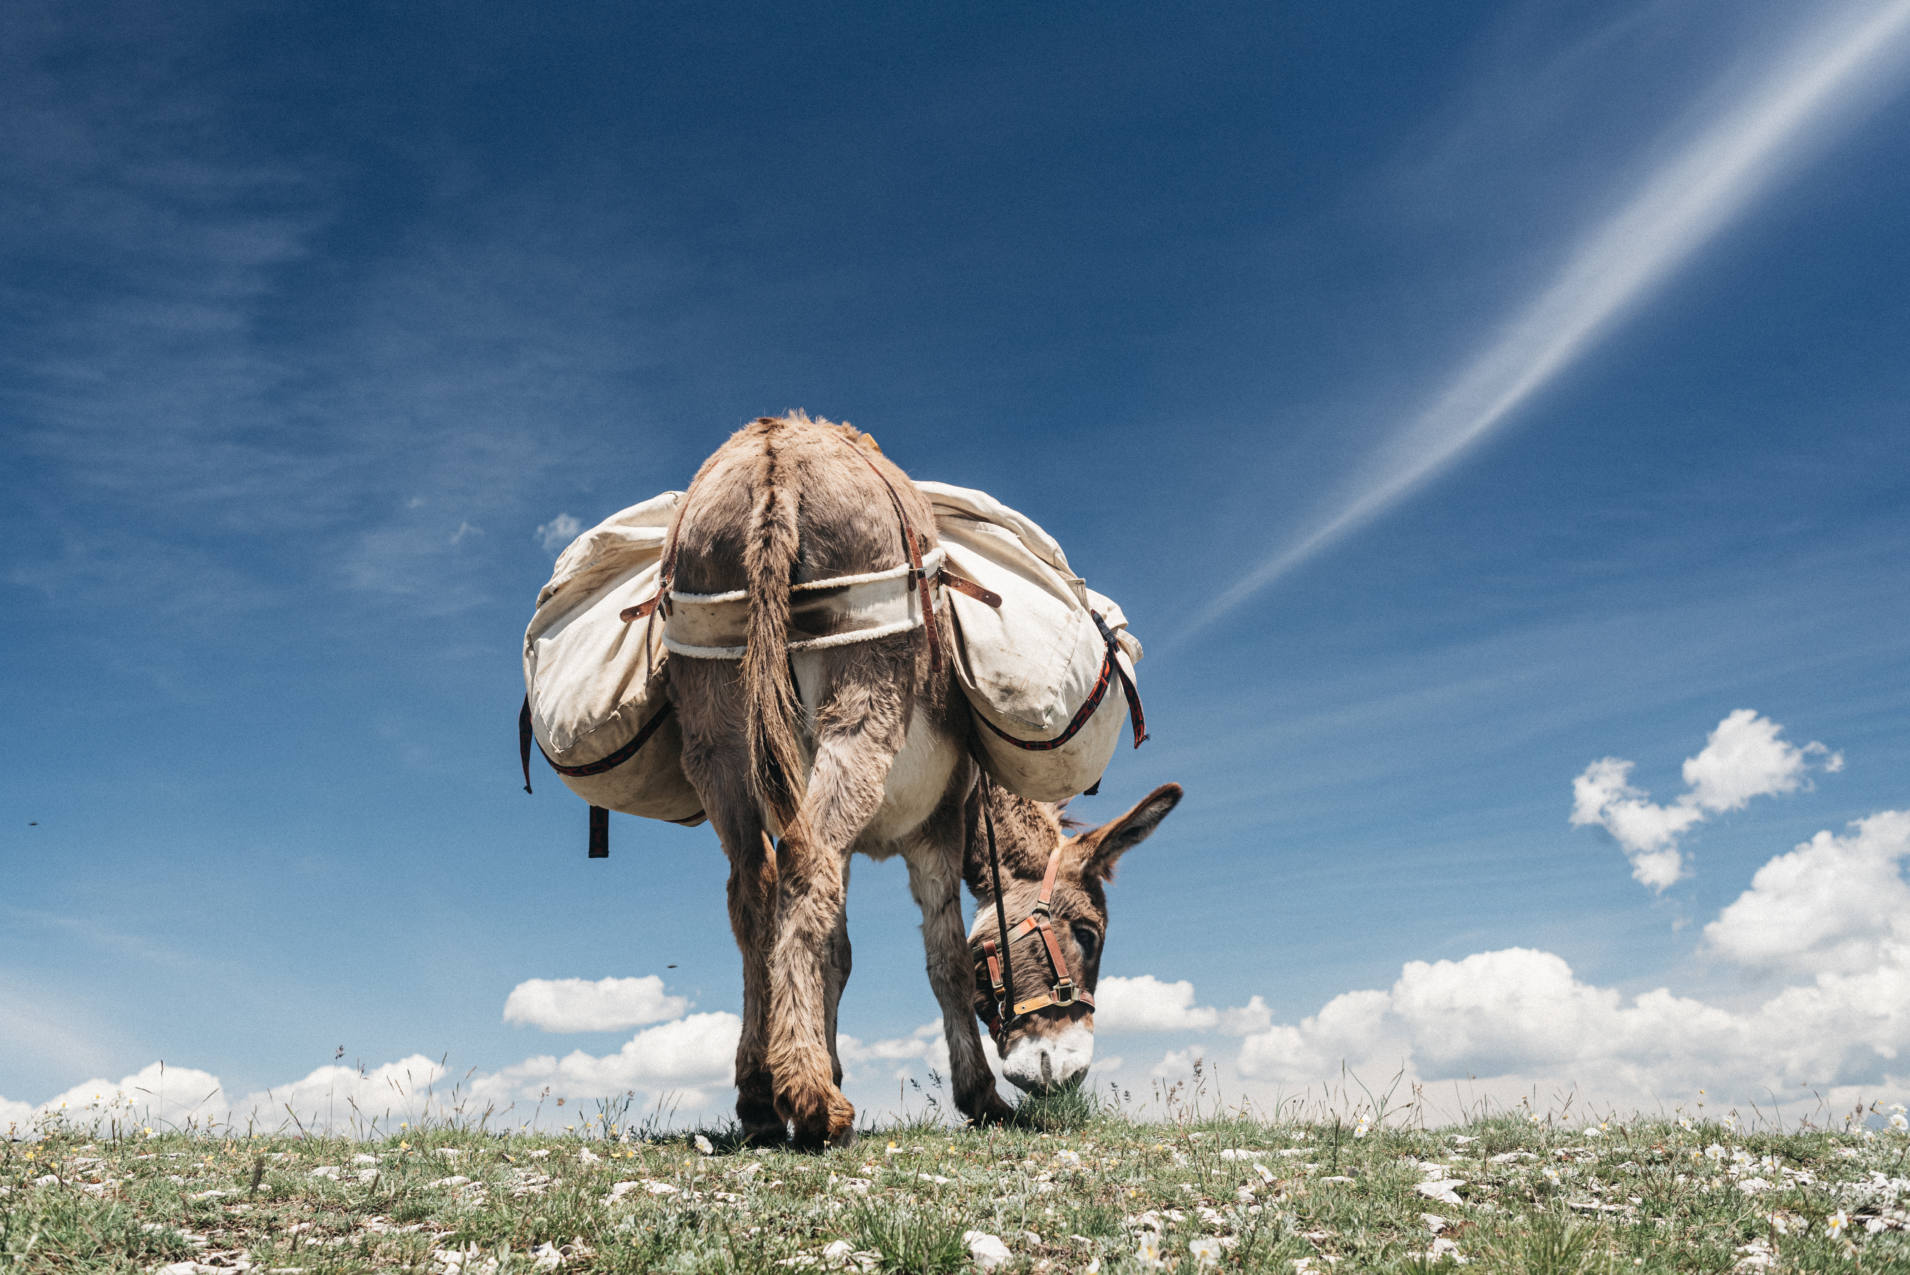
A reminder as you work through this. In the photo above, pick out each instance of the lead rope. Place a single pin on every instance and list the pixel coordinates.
(1001, 912)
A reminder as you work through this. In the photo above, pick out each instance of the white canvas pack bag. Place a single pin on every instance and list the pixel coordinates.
(1047, 664)
(595, 701)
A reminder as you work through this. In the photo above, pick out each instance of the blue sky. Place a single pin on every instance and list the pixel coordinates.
(1453, 396)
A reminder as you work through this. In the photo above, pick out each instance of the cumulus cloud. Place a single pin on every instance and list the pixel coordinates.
(15, 1116)
(1144, 1003)
(1830, 905)
(1523, 1018)
(1831, 918)
(579, 1005)
(1744, 757)
(332, 1095)
(918, 1045)
(558, 532)
(692, 1051)
(157, 1094)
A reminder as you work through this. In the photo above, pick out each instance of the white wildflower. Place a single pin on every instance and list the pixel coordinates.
(1206, 1251)
(703, 1145)
(1835, 1224)
(1148, 1253)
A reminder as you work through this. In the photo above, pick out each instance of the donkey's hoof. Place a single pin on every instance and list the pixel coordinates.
(772, 1134)
(986, 1108)
(819, 1115)
(762, 1127)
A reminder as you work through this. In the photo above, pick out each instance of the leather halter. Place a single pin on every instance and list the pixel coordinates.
(1062, 991)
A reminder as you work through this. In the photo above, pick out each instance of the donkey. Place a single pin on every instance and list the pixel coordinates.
(865, 747)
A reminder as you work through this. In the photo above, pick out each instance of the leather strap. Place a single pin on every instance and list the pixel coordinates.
(640, 610)
(1110, 670)
(962, 584)
(1062, 992)
(913, 547)
(1006, 974)
(1136, 719)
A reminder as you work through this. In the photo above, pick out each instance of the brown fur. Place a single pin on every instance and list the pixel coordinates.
(863, 749)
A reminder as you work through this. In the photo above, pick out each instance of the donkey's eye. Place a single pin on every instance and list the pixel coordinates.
(1087, 938)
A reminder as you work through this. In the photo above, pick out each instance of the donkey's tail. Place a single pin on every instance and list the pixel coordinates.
(769, 689)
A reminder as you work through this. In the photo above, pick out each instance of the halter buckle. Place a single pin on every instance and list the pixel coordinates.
(1063, 992)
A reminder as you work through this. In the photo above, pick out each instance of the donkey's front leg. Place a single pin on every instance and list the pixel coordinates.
(935, 879)
(836, 977)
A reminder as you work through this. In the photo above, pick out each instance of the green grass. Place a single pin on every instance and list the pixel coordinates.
(1078, 1185)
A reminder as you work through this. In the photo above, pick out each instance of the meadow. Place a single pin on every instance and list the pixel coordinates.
(1080, 1184)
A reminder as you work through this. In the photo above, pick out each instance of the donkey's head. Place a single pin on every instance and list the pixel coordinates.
(1036, 991)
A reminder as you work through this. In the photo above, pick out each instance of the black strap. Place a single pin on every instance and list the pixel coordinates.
(1136, 719)
(1001, 911)
(525, 739)
(613, 760)
(599, 833)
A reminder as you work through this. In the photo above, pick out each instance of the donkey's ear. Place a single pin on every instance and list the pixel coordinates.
(1111, 841)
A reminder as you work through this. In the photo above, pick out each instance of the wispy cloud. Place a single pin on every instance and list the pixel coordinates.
(1680, 205)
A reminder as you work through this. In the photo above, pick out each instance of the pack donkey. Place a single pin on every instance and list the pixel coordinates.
(805, 756)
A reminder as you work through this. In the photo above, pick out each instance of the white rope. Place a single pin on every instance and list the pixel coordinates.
(931, 563)
(855, 599)
(824, 643)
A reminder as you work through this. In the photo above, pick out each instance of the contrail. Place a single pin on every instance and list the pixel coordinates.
(1679, 207)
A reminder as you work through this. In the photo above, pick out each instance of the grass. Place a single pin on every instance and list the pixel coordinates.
(1080, 1187)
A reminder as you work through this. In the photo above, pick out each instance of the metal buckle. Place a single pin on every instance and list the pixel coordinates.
(1063, 992)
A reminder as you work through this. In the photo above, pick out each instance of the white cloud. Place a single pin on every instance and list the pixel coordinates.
(157, 1094)
(1176, 1064)
(1144, 1003)
(697, 1050)
(579, 1005)
(917, 1045)
(1831, 917)
(1677, 207)
(15, 1116)
(1744, 757)
(1828, 905)
(333, 1096)
(558, 532)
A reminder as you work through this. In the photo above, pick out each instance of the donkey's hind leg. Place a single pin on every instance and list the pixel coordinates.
(752, 908)
(858, 732)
